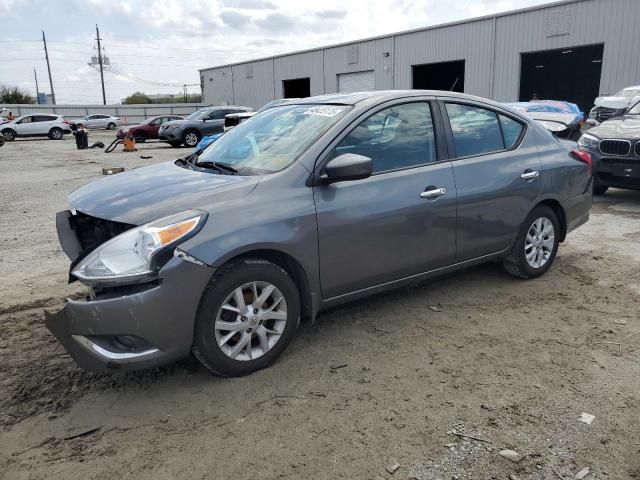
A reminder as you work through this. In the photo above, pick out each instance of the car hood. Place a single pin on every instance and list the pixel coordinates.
(175, 122)
(613, 102)
(145, 194)
(618, 127)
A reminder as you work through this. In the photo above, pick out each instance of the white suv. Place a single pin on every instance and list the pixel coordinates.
(51, 125)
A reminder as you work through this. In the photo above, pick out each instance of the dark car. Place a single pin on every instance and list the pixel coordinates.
(614, 146)
(147, 130)
(190, 130)
(305, 206)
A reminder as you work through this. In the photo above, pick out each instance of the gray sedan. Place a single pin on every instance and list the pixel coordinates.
(302, 207)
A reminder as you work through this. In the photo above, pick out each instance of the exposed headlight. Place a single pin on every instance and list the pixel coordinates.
(131, 256)
(587, 140)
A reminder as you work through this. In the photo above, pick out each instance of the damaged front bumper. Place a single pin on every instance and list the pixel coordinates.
(134, 326)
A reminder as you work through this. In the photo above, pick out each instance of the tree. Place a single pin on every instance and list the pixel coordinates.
(14, 95)
(137, 98)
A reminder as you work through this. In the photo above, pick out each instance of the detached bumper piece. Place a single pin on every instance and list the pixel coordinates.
(134, 327)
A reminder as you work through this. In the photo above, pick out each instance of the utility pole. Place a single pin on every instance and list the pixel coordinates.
(46, 55)
(104, 96)
(37, 89)
(185, 93)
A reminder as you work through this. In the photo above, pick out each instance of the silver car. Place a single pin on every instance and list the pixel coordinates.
(101, 121)
(302, 207)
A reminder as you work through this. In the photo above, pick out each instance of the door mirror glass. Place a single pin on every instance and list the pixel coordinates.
(348, 166)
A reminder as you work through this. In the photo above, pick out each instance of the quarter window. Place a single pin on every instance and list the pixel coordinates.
(511, 130)
(397, 137)
(475, 130)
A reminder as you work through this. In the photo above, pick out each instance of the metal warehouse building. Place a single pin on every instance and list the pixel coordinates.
(570, 50)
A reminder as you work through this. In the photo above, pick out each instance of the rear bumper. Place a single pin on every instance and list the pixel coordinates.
(159, 317)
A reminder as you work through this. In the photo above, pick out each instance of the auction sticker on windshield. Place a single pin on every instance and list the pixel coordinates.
(324, 110)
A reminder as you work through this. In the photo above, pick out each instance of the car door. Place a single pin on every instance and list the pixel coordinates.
(497, 171)
(24, 126)
(40, 124)
(399, 222)
(214, 122)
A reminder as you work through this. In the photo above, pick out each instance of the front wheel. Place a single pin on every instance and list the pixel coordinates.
(191, 138)
(56, 134)
(9, 135)
(599, 188)
(140, 137)
(248, 314)
(536, 246)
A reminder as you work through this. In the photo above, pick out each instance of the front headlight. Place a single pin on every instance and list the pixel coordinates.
(131, 256)
(587, 140)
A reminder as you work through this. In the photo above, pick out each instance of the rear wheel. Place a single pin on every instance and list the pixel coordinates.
(599, 188)
(9, 135)
(536, 246)
(191, 138)
(247, 316)
(111, 126)
(56, 133)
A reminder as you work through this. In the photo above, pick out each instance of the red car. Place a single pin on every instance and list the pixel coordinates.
(148, 129)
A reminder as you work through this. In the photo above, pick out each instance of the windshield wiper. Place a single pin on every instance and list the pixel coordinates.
(222, 167)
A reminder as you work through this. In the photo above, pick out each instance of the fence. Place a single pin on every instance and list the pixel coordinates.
(128, 113)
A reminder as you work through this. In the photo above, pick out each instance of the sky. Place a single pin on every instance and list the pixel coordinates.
(156, 46)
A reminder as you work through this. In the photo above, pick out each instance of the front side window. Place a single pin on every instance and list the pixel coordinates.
(475, 130)
(397, 137)
(273, 140)
(25, 120)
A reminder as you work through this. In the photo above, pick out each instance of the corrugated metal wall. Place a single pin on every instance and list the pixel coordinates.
(218, 86)
(491, 48)
(128, 113)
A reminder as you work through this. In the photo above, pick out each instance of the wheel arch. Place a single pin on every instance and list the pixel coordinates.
(558, 209)
(293, 268)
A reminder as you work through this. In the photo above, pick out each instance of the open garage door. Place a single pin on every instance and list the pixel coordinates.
(356, 82)
(571, 74)
(448, 76)
(297, 88)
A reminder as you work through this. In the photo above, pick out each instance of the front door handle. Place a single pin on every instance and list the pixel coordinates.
(433, 193)
(530, 175)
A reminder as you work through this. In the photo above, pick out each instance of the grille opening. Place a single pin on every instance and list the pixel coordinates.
(93, 232)
(615, 147)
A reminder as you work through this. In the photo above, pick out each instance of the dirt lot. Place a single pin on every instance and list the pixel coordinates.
(391, 379)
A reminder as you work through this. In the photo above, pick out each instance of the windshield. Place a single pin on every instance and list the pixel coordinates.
(273, 139)
(197, 115)
(635, 110)
(628, 93)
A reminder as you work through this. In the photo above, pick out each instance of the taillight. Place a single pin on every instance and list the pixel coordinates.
(583, 157)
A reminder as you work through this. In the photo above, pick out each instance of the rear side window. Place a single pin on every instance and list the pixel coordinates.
(397, 137)
(511, 130)
(475, 130)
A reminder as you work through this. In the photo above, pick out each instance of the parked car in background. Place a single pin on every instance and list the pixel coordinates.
(235, 119)
(101, 121)
(36, 125)
(561, 118)
(614, 146)
(190, 130)
(147, 130)
(613, 106)
(306, 206)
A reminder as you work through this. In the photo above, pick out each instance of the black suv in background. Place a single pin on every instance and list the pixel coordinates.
(614, 146)
(205, 121)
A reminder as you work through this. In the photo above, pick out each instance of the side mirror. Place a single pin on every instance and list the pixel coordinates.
(345, 167)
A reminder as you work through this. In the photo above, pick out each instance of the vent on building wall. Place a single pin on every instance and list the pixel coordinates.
(248, 71)
(559, 21)
(353, 51)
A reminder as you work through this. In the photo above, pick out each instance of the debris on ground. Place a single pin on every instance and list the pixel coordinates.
(112, 170)
(583, 473)
(512, 455)
(587, 418)
(391, 468)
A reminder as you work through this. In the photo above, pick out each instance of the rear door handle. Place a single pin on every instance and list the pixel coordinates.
(530, 175)
(433, 193)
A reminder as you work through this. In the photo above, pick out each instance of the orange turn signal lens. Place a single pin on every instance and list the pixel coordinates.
(168, 234)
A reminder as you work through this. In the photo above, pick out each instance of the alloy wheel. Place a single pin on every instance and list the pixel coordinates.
(191, 139)
(250, 321)
(538, 245)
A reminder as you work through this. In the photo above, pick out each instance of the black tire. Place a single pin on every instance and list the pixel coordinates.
(222, 284)
(56, 133)
(191, 138)
(515, 263)
(175, 144)
(140, 137)
(599, 188)
(9, 135)
(111, 126)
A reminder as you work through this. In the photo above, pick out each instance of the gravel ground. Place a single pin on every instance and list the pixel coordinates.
(393, 381)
